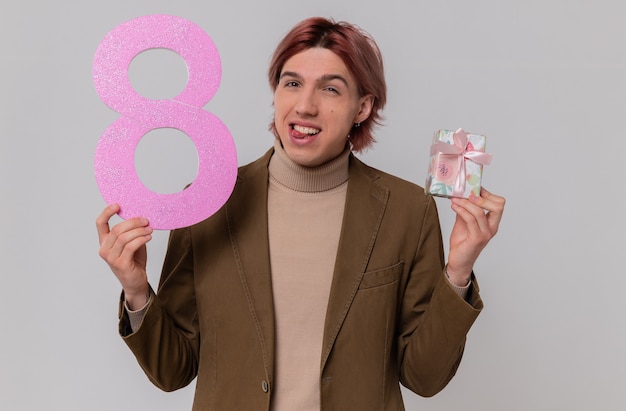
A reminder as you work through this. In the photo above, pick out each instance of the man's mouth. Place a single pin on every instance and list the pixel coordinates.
(301, 131)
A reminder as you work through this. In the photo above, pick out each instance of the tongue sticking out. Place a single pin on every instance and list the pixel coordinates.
(298, 134)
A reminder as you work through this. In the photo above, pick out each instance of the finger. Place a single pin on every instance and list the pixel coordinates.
(494, 205)
(125, 232)
(118, 249)
(490, 201)
(102, 221)
(109, 240)
(473, 216)
(131, 248)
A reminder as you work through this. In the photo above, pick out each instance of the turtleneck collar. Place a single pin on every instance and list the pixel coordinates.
(308, 179)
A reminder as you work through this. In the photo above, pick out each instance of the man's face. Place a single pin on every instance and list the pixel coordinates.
(316, 104)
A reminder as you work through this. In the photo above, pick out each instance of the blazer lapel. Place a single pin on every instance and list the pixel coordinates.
(247, 224)
(365, 205)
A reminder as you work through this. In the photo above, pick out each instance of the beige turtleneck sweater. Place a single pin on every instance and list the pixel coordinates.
(305, 212)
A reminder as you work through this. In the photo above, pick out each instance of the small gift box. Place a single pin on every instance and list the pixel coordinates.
(456, 164)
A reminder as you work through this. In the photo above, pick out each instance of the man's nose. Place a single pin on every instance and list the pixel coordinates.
(307, 103)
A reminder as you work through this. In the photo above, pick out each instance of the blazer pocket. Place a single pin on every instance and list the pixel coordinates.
(382, 277)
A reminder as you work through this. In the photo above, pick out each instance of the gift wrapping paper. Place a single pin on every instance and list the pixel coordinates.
(456, 164)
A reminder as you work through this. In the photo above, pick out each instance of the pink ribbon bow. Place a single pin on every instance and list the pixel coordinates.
(459, 148)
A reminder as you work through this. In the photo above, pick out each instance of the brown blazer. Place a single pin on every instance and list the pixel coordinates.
(392, 316)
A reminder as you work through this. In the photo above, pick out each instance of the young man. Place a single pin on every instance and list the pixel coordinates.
(322, 283)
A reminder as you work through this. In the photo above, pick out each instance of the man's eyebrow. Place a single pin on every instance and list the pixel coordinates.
(324, 78)
(290, 74)
(329, 77)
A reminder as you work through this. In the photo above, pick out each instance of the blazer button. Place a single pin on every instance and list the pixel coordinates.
(265, 386)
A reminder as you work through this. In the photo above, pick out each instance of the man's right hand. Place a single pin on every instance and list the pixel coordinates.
(123, 247)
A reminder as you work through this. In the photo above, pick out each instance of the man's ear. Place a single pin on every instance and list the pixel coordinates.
(365, 108)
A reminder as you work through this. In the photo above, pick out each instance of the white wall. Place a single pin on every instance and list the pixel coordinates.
(544, 80)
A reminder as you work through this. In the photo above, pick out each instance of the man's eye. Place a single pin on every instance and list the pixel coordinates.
(291, 84)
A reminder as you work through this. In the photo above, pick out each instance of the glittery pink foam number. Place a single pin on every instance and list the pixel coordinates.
(115, 153)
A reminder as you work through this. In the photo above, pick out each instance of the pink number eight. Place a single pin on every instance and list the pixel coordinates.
(114, 158)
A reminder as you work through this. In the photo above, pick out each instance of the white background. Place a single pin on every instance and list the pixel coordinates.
(545, 80)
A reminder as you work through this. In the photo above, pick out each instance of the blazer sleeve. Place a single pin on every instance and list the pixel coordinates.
(434, 318)
(167, 342)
